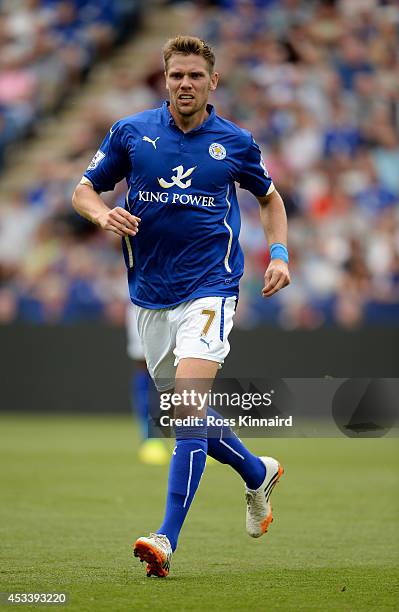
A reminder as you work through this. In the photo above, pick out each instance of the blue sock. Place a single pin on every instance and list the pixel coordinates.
(226, 447)
(139, 390)
(186, 468)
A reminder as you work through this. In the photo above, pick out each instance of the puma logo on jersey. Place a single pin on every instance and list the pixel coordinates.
(205, 342)
(153, 142)
(178, 179)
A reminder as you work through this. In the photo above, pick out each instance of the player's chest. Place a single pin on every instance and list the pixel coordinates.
(183, 161)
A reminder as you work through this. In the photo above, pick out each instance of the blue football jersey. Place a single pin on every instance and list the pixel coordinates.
(182, 186)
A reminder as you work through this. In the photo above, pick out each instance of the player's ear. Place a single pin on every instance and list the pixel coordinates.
(214, 81)
(166, 80)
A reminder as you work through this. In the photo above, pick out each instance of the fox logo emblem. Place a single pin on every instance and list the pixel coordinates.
(178, 179)
(153, 142)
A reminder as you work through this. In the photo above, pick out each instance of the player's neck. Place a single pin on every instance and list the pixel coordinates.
(188, 123)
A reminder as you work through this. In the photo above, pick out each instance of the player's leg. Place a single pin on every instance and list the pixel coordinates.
(210, 340)
(140, 379)
(152, 451)
(158, 334)
(186, 467)
(189, 456)
(188, 460)
(197, 364)
(139, 385)
(205, 334)
(226, 447)
(260, 474)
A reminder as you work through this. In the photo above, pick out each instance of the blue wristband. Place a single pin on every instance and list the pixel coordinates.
(279, 251)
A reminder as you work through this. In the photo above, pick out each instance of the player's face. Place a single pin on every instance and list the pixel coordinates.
(189, 83)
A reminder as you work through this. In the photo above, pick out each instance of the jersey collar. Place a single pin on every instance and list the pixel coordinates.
(167, 118)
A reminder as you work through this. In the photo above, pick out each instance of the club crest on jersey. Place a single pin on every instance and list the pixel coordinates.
(99, 156)
(217, 151)
(178, 178)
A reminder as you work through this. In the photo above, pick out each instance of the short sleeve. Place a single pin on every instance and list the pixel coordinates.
(253, 175)
(111, 162)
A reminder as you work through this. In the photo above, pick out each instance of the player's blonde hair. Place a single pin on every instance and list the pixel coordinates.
(188, 45)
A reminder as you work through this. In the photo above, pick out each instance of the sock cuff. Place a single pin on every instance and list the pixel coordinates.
(193, 431)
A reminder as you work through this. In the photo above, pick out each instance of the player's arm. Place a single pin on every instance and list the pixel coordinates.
(109, 165)
(274, 221)
(254, 176)
(91, 206)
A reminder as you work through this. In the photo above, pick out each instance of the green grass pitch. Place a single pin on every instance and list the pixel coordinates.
(74, 498)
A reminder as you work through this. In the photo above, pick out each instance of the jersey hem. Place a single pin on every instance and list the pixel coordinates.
(193, 355)
(94, 185)
(193, 296)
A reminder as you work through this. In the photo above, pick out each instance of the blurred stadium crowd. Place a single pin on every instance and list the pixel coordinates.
(47, 47)
(316, 82)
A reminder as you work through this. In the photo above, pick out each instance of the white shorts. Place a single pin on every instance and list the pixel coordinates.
(134, 344)
(198, 328)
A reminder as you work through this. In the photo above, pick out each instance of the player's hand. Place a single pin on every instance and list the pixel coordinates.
(120, 221)
(277, 276)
